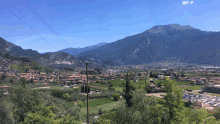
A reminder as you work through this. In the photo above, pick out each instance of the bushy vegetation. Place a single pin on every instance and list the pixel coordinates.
(151, 110)
(116, 96)
(25, 106)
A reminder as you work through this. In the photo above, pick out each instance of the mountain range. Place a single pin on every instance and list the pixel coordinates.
(77, 51)
(156, 44)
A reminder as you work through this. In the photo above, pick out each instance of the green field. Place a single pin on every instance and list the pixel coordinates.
(118, 84)
(193, 87)
(105, 107)
(96, 104)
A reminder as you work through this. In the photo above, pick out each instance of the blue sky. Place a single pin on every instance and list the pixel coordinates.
(88, 22)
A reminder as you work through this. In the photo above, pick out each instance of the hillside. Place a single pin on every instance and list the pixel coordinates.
(53, 59)
(10, 48)
(77, 51)
(160, 42)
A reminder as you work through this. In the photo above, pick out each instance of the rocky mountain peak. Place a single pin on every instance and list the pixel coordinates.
(180, 27)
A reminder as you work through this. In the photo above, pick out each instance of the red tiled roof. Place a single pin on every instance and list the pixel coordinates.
(4, 86)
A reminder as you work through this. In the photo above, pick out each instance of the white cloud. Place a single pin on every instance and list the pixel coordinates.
(187, 2)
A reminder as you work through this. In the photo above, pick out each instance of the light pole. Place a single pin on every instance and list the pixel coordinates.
(87, 93)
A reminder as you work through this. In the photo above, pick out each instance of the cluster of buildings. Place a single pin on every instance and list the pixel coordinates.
(202, 100)
(42, 77)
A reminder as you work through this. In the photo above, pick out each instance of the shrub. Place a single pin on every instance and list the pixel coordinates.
(100, 112)
(116, 96)
(80, 103)
(111, 89)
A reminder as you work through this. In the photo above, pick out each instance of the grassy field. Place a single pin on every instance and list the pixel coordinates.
(119, 84)
(104, 107)
(193, 87)
(56, 87)
(96, 104)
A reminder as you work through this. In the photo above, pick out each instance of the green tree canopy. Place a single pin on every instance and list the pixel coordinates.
(174, 101)
(42, 115)
(25, 100)
(144, 110)
(6, 112)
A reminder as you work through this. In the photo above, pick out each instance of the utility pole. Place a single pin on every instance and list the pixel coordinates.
(87, 94)
(145, 77)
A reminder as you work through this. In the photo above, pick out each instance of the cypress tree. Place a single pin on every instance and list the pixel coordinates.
(127, 90)
(150, 74)
(83, 90)
(89, 90)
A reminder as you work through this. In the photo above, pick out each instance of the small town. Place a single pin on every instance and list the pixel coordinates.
(195, 80)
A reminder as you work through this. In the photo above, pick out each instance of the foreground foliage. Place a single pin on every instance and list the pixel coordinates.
(150, 110)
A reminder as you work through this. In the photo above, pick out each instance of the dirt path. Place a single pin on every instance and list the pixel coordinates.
(41, 88)
(156, 94)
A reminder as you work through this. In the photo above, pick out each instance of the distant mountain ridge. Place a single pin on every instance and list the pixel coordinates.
(186, 43)
(10, 48)
(159, 42)
(48, 59)
(77, 51)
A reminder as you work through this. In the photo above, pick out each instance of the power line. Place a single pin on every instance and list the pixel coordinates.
(41, 19)
(30, 27)
(48, 25)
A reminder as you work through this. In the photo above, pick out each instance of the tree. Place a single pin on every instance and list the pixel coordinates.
(212, 120)
(110, 85)
(217, 113)
(128, 91)
(80, 103)
(3, 77)
(147, 88)
(57, 93)
(11, 81)
(151, 74)
(143, 111)
(86, 88)
(23, 82)
(174, 101)
(116, 96)
(70, 120)
(42, 115)
(81, 88)
(6, 112)
(2, 93)
(188, 104)
(25, 100)
(66, 96)
(198, 116)
(89, 90)
(102, 121)
(31, 81)
(100, 112)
